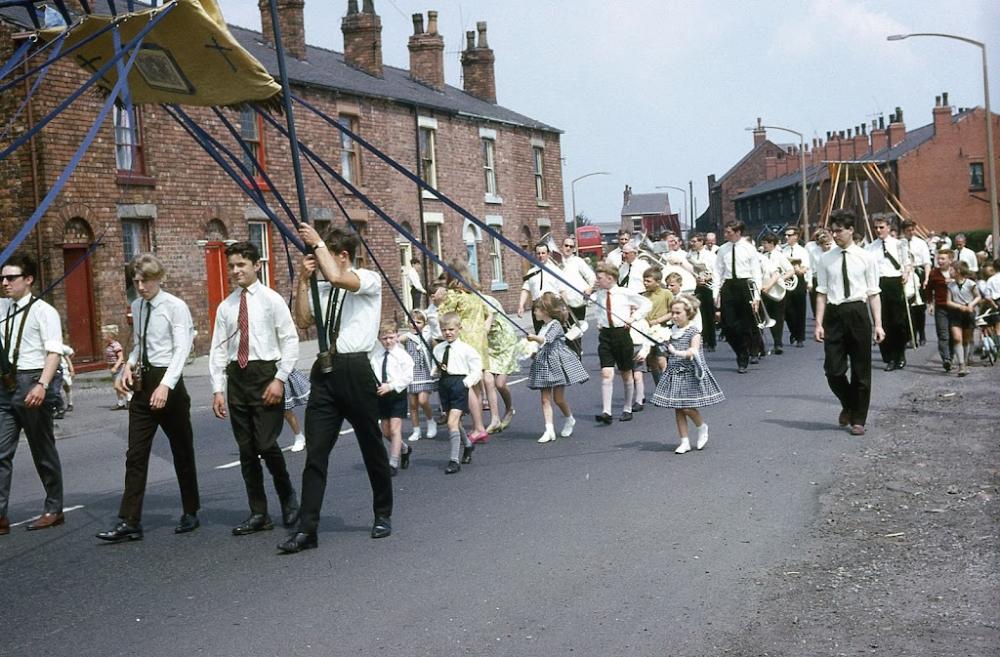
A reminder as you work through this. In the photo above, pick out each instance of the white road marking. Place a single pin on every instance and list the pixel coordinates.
(226, 466)
(516, 381)
(34, 518)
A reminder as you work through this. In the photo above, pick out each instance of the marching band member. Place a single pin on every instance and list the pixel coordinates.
(847, 289)
(795, 301)
(580, 276)
(631, 270)
(737, 265)
(703, 262)
(614, 258)
(537, 281)
(920, 260)
(885, 252)
(775, 267)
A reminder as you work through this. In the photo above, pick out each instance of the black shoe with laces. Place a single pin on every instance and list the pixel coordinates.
(625, 417)
(604, 418)
(297, 542)
(452, 467)
(381, 527)
(467, 454)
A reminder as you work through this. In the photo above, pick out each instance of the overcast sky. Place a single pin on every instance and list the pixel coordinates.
(658, 92)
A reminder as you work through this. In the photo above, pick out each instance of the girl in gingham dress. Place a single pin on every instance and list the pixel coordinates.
(555, 365)
(423, 383)
(687, 385)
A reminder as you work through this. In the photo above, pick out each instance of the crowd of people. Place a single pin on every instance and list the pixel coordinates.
(656, 311)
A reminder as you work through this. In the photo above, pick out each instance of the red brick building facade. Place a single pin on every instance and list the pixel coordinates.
(168, 196)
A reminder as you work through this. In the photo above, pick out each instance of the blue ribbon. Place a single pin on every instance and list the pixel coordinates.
(31, 92)
(15, 58)
(52, 60)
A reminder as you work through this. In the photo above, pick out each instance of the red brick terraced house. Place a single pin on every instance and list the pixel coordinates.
(145, 185)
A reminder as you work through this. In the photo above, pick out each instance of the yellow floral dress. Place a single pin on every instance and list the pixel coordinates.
(501, 342)
(472, 311)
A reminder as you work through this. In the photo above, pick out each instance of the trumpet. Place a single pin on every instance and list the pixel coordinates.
(760, 315)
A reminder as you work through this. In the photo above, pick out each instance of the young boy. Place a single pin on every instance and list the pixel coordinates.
(659, 314)
(114, 356)
(936, 297)
(617, 308)
(393, 368)
(460, 367)
(68, 372)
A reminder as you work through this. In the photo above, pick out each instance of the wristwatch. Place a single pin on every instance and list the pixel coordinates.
(43, 384)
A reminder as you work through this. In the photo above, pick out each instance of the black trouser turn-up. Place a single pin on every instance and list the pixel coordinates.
(848, 344)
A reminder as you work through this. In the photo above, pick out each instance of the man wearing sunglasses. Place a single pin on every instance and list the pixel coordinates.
(795, 307)
(29, 394)
(582, 278)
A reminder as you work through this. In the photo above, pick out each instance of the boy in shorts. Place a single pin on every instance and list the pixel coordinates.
(460, 367)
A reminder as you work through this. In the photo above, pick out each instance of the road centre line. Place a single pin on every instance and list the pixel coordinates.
(226, 466)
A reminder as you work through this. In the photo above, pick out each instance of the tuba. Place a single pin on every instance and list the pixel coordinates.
(783, 285)
(760, 315)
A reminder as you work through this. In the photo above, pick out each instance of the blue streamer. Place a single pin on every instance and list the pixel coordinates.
(15, 58)
(31, 92)
(52, 60)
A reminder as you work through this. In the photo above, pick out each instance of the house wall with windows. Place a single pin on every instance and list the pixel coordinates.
(168, 196)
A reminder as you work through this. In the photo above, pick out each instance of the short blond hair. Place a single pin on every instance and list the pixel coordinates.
(147, 267)
(388, 326)
(450, 319)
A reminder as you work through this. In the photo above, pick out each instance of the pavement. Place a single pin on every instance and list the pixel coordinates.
(606, 543)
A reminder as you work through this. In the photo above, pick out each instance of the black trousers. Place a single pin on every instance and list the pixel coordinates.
(37, 426)
(848, 345)
(737, 318)
(894, 319)
(776, 310)
(345, 393)
(256, 428)
(416, 296)
(143, 421)
(795, 312)
(918, 316)
(707, 309)
(812, 296)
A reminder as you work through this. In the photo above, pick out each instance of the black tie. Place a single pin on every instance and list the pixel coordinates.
(885, 252)
(628, 273)
(843, 272)
(734, 260)
(385, 368)
(444, 358)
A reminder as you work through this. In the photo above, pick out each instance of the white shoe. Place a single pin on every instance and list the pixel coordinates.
(415, 436)
(300, 443)
(568, 425)
(684, 447)
(702, 435)
(432, 428)
(547, 437)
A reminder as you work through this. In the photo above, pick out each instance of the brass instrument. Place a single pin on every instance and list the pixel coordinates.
(668, 264)
(760, 315)
(783, 285)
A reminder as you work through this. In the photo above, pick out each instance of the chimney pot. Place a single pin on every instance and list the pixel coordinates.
(470, 40)
(418, 24)
(481, 28)
(848, 133)
(881, 123)
(937, 101)
(899, 115)
(368, 7)
(352, 7)
(944, 98)
(432, 22)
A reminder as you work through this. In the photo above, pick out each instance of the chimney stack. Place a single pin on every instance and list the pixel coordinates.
(293, 34)
(427, 52)
(362, 38)
(897, 129)
(759, 134)
(860, 141)
(478, 78)
(941, 113)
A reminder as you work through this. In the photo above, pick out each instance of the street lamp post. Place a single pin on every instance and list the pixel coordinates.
(684, 192)
(991, 158)
(572, 192)
(802, 166)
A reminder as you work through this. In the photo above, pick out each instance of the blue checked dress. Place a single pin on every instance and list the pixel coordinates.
(687, 383)
(555, 363)
(422, 379)
(297, 390)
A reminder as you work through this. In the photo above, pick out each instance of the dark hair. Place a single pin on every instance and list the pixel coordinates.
(655, 273)
(25, 262)
(770, 238)
(842, 218)
(792, 229)
(906, 225)
(414, 261)
(338, 240)
(246, 250)
(883, 219)
(736, 226)
(624, 232)
(696, 236)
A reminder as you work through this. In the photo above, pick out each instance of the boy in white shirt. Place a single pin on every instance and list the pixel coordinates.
(460, 367)
(393, 369)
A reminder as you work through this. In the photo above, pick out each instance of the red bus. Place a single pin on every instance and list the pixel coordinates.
(589, 245)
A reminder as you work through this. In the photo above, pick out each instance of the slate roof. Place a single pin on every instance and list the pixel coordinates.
(326, 69)
(646, 204)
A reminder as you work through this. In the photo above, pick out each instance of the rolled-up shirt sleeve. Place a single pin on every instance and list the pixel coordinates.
(51, 331)
(871, 276)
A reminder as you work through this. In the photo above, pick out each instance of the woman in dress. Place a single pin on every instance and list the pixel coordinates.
(501, 344)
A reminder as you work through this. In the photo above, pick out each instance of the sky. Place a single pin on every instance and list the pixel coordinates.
(660, 92)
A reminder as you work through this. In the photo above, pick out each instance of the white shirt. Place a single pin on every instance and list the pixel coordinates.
(771, 262)
(413, 277)
(463, 361)
(920, 254)
(798, 252)
(712, 248)
(747, 264)
(626, 306)
(399, 366)
(273, 336)
(42, 333)
(433, 329)
(614, 258)
(862, 273)
(968, 256)
(992, 288)
(539, 281)
(579, 274)
(878, 250)
(634, 273)
(359, 312)
(170, 333)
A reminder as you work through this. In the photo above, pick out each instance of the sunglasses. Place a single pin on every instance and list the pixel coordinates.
(10, 277)
(789, 234)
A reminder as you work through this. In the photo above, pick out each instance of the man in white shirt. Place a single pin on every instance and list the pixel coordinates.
(537, 282)
(920, 262)
(29, 394)
(847, 289)
(886, 254)
(154, 372)
(737, 263)
(703, 262)
(710, 242)
(965, 254)
(343, 384)
(254, 348)
(614, 258)
(581, 279)
(631, 270)
(775, 268)
(417, 291)
(795, 301)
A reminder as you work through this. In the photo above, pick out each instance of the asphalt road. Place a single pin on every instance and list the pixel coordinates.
(606, 543)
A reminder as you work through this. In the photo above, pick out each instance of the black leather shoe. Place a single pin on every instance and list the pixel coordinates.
(404, 459)
(778, 349)
(297, 542)
(290, 512)
(890, 366)
(122, 532)
(741, 369)
(381, 527)
(625, 417)
(900, 364)
(189, 522)
(604, 418)
(638, 407)
(467, 451)
(452, 467)
(257, 522)
(754, 360)
(393, 470)
(799, 344)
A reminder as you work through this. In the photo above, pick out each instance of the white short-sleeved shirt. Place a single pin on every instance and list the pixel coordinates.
(42, 333)
(862, 272)
(359, 312)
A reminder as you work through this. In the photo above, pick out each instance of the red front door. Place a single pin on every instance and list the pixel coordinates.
(80, 329)
(217, 279)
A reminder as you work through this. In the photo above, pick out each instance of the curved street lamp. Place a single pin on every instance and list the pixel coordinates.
(572, 191)
(991, 158)
(684, 192)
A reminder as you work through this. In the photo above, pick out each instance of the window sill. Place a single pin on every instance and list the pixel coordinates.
(977, 189)
(492, 199)
(138, 179)
(430, 196)
(541, 203)
(499, 286)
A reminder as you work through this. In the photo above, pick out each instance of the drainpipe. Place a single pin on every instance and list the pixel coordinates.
(36, 193)
(420, 202)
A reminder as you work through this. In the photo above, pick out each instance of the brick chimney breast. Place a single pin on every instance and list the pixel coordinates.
(427, 52)
(759, 134)
(897, 129)
(293, 35)
(363, 38)
(478, 78)
(941, 113)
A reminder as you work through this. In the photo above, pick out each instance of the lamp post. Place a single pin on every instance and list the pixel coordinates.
(990, 157)
(572, 192)
(684, 192)
(802, 166)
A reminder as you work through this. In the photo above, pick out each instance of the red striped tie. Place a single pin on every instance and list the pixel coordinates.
(243, 353)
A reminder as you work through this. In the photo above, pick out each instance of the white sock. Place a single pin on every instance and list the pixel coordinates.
(607, 389)
(456, 441)
(629, 395)
(550, 429)
(393, 461)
